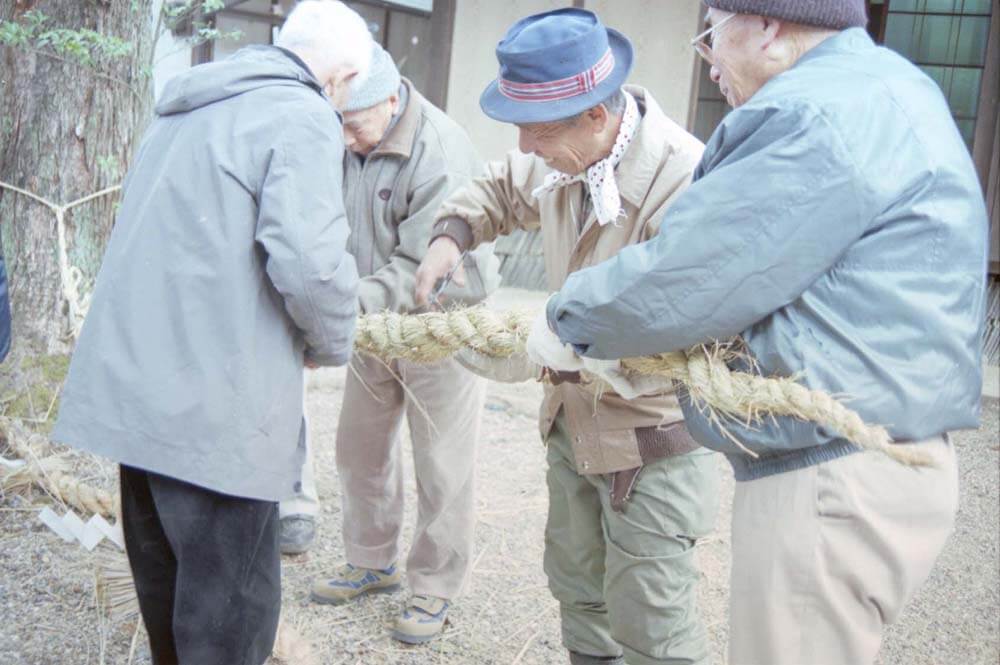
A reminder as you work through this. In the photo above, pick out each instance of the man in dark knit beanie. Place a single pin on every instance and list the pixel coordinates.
(836, 225)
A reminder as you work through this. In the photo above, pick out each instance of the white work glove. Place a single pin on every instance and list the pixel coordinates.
(627, 384)
(545, 349)
(515, 369)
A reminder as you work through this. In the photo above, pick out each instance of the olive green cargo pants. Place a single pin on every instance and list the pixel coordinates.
(626, 582)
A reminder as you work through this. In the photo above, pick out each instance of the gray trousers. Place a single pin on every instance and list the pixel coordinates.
(443, 405)
(626, 582)
(306, 500)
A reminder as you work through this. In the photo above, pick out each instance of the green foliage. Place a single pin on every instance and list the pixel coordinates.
(182, 11)
(34, 31)
(205, 33)
(85, 47)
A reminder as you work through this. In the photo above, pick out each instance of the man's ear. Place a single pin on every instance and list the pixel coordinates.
(598, 117)
(770, 30)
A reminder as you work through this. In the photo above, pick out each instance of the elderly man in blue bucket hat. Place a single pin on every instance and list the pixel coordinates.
(629, 491)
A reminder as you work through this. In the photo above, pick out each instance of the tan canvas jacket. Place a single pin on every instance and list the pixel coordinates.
(391, 197)
(656, 167)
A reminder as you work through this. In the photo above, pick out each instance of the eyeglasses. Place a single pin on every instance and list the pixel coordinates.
(703, 46)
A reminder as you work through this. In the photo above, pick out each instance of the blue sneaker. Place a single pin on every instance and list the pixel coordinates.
(352, 581)
(422, 620)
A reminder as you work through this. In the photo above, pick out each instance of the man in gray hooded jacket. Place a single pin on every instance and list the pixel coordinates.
(226, 272)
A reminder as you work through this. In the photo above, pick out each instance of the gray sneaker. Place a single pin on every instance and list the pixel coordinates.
(583, 659)
(297, 533)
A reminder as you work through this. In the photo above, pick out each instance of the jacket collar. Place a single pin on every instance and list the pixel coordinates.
(639, 165)
(401, 136)
(301, 63)
(852, 39)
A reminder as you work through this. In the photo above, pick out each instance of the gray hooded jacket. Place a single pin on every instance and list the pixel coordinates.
(225, 270)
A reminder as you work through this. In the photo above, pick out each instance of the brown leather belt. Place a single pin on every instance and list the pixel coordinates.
(655, 443)
(659, 442)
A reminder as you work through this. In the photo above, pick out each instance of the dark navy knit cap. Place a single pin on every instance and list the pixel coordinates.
(834, 14)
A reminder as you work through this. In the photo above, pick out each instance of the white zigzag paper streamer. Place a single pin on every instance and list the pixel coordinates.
(70, 527)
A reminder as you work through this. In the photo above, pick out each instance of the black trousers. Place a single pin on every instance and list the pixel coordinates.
(207, 570)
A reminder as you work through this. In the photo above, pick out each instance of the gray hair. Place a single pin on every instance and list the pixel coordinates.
(330, 31)
(614, 103)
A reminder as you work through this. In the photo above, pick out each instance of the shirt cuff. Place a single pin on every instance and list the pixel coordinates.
(455, 228)
(550, 312)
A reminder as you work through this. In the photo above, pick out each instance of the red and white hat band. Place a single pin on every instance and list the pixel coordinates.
(553, 91)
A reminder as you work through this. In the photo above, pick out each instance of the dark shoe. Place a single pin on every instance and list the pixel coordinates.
(583, 659)
(297, 533)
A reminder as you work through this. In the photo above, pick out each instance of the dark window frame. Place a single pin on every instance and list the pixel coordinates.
(441, 25)
(389, 6)
(986, 141)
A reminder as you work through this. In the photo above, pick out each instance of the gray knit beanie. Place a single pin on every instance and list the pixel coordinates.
(834, 14)
(382, 82)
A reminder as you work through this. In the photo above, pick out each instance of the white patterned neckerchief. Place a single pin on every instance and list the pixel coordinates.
(600, 176)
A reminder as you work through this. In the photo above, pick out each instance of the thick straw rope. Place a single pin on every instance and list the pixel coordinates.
(725, 394)
(46, 471)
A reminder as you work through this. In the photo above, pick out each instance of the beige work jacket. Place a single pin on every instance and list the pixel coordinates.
(654, 170)
(391, 197)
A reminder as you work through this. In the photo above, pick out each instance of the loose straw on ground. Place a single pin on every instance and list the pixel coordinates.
(721, 392)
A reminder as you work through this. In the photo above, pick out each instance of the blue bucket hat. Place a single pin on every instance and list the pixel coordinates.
(555, 65)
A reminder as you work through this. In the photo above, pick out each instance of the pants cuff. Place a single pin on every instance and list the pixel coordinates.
(380, 557)
(298, 507)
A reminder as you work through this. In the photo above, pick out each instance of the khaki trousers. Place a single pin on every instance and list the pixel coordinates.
(627, 582)
(371, 470)
(824, 557)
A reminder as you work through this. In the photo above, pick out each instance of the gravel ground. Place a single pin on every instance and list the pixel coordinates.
(50, 616)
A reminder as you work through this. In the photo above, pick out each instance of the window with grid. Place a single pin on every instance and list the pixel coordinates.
(945, 38)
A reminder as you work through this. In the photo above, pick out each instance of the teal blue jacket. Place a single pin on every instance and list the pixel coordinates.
(837, 224)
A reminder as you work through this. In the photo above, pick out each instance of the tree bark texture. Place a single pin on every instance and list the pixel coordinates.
(67, 130)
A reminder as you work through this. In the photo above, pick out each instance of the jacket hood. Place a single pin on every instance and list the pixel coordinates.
(248, 69)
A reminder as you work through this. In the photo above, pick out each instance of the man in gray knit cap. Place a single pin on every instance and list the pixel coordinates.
(835, 224)
(405, 156)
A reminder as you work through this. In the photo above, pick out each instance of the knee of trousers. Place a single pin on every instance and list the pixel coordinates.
(575, 574)
(652, 605)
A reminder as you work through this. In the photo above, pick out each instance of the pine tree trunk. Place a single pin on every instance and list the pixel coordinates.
(67, 130)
